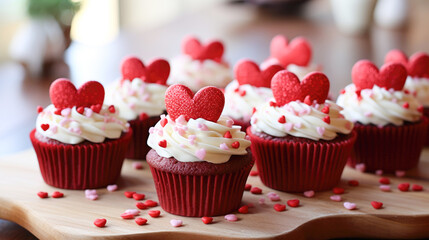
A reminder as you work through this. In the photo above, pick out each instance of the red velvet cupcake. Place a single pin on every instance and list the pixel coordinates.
(199, 159)
(139, 98)
(79, 142)
(389, 121)
(300, 141)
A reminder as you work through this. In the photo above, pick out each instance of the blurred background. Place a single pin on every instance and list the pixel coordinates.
(41, 40)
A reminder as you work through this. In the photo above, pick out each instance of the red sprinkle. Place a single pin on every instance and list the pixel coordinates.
(141, 206)
(207, 220)
(293, 203)
(327, 119)
(377, 205)
(129, 194)
(80, 110)
(406, 91)
(279, 207)
(403, 187)
(253, 110)
(384, 180)
(417, 187)
(307, 100)
(138, 196)
(353, 183)
(57, 194)
(143, 116)
(237, 89)
(325, 110)
(127, 216)
(406, 105)
(235, 144)
(244, 209)
(44, 126)
(39, 109)
(256, 190)
(163, 122)
(58, 111)
(112, 109)
(247, 187)
(163, 143)
(150, 203)
(243, 93)
(96, 108)
(140, 221)
(282, 119)
(338, 190)
(100, 222)
(154, 213)
(42, 194)
(342, 91)
(227, 134)
(273, 104)
(420, 108)
(254, 173)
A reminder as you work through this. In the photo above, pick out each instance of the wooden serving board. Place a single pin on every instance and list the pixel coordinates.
(404, 215)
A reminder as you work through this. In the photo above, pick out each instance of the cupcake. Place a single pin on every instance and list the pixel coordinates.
(200, 65)
(294, 56)
(199, 160)
(80, 143)
(300, 140)
(417, 82)
(139, 98)
(388, 120)
(250, 89)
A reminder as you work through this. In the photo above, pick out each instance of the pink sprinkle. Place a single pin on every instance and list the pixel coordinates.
(54, 129)
(200, 153)
(253, 120)
(180, 131)
(229, 123)
(112, 188)
(368, 114)
(182, 145)
(349, 205)
(64, 122)
(133, 212)
(223, 146)
(400, 173)
(202, 127)
(385, 188)
(262, 201)
(379, 172)
(394, 100)
(132, 105)
(335, 198)
(145, 97)
(131, 91)
(151, 130)
(273, 196)
(76, 130)
(231, 217)
(92, 197)
(137, 165)
(66, 112)
(288, 126)
(160, 132)
(298, 125)
(181, 120)
(309, 194)
(191, 139)
(90, 192)
(88, 112)
(360, 167)
(320, 130)
(176, 223)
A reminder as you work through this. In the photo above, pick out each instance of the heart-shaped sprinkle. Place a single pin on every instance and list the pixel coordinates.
(39, 109)
(92, 197)
(235, 144)
(385, 188)
(227, 134)
(279, 207)
(273, 196)
(417, 65)
(391, 75)
(212, 50)
(141, 205)
(399, 173)
(129, 194)
(360, 167)
(338, 190)
(254, 173)
(248, 72)
(207, 103)
(378, 172)
(156, 72)
(154, 213)
(256, 190)
(100, 222)
(207, 220)
(200, 153)
(336, 198)
(231, 217)
(244, 209)
(162, 143)
(137, 165)
(140, 221)
(127, 215)
(138, 196)
(377, 205)
(90, 192)
(384, 180)
(353, 183)
(417, 187)
(282, 119)
(42, 194)
(176, 222)
(309, 193)
(134, 212)
(297, 52)
(150, 203)
(349, 205)
(403, 187)
(57, 194)
(44, 126)
(287, 87)
(112, 188)
(293, 203)
(247, 187)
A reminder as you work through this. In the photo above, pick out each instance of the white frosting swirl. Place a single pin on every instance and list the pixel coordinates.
(301, 120)
(197, 74)
(198, 140)
(135, 97)
(72, 127)
(299, 71)
(379, 106)
(420, 88)
(241, 99)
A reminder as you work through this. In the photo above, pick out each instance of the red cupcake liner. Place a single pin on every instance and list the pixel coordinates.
(200, 195)
(244, 124)
(389, 148)
(138, 146)
(294, 166)
(426, 114)
(81, 166)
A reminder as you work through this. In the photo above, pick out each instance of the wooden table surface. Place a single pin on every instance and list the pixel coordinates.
(246, 31)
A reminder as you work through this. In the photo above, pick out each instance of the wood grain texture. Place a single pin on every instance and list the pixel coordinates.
(404, 215)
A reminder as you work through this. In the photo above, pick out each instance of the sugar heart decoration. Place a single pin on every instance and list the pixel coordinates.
(156, 72)
(417, 65)
(287, 87)
(297, 52)
(391, 75)
(64, 94)
(207, 103)
(212, 50)
(248, 72)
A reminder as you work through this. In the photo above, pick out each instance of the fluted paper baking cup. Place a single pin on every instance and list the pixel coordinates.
(138, 147)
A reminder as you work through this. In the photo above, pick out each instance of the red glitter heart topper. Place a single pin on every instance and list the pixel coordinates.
(417, 65)
(287, 87)
(207, 103)
(297, 52)
(64, 94)
(391, 75)
(248, 72)
(213, 50)
(156, 72)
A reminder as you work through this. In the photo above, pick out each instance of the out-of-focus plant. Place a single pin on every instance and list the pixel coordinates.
(62, 10)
